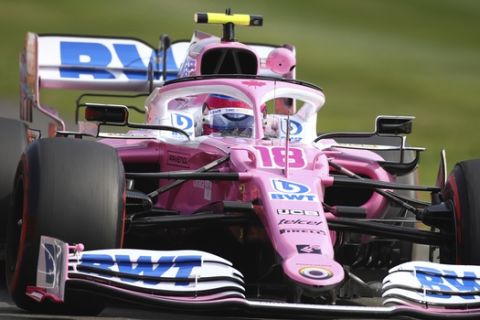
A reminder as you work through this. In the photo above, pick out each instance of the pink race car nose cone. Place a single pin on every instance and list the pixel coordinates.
(281, 61)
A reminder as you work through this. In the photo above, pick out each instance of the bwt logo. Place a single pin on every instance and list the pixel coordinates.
(289, 187)
(295, 127)
(182, 121)
(291, 191)
(93, 59)
(430, 279)
(143, 269)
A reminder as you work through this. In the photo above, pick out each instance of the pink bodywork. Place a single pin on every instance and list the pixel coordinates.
(302, 239)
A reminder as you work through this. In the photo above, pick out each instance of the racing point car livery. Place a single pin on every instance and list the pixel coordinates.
(226, 199)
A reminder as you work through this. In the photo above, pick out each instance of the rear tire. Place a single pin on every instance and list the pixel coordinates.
(463, 193)
(72, 190)
(13, 141)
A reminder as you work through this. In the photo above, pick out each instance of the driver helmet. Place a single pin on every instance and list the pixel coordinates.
(227, 116)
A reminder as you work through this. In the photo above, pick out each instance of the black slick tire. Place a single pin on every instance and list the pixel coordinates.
(13, 141)
(70, 189)
(462, 192)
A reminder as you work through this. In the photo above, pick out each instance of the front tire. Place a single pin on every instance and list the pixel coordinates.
(463, 193)
(69, 189)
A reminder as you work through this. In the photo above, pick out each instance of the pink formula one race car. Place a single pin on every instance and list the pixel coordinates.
(226, 198)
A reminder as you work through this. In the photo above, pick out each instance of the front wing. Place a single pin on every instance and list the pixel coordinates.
(202, 281)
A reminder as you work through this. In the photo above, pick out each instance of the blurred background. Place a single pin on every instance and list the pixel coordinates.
(371, 57)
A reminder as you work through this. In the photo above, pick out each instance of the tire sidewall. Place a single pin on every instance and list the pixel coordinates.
(13, 140)
(462, 193)
(45, 208)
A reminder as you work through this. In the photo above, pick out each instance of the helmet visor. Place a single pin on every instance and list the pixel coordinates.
(231, 121)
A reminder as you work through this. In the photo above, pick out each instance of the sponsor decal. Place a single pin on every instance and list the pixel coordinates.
(293, 197)
(254, 83)
(295, 127)
(92, 59)
(177, 159)
(230, 110)
(285, 186)
(188, 67)
(432, 279)
(141, 267)
(291, 191)
(182, 121)
(295, 212)
(315, 272)
(300, 222)
(312, 231)
(308, 248)
(206, 186)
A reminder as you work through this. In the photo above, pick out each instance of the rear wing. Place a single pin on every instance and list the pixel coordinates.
(103, 63)
(98, 63)
(91, 63)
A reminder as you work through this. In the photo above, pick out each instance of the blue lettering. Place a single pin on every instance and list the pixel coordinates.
(185, 265)
(130, 270)
(144, 267)
(428, 278)
(293, 197)
(97, 261)
(91, 58)
(129, 57)
(468, 283)
(96, 56)
(432, 280)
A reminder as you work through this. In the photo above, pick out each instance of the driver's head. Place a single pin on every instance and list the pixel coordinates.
(228, 116)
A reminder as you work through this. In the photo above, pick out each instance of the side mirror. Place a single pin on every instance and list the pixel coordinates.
(106, 113)
(393, 125)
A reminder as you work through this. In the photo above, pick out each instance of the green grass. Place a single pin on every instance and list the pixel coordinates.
(409, 57)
